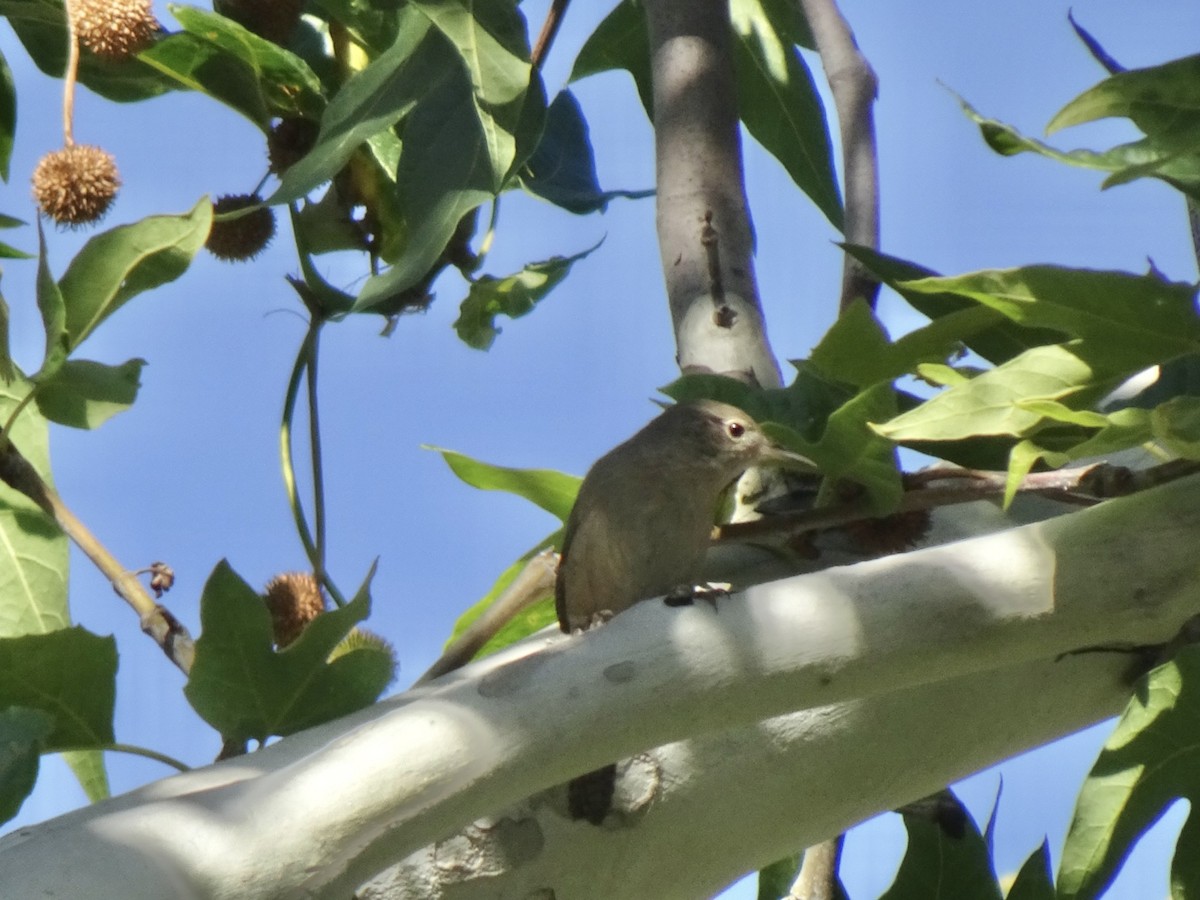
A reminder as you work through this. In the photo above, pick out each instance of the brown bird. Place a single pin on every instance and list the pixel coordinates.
(641, 523)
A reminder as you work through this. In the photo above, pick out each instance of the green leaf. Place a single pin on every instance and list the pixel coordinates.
(938, 866)
(8, 371)
(54, 312)
(1176, 424)
(562, 168)
(533, 618)
(84, 394)
(1161, 100)
(990, 403)
(1151, 760)
(88, 766)
(256, 77)
(1142, 157)
(8, 116)
(490, 39)
(856, 349)
(246, 689)
(33, 550)
(1035, 880)
(513, 296)
(41, 27)
(375, 99)
(780, 107)
(997, 344)
(445, 172)
(117, 265)
(69, 674)
(619, 42)
(775, 880)
(851, 448)
(23, 731)
(552, 491)
(1133, 320)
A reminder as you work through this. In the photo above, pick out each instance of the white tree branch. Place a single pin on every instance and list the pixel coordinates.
(941, 660)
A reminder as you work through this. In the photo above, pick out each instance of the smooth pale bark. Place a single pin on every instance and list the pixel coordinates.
(323, 811)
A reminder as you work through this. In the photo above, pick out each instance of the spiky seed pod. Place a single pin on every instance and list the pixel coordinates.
(294, 599)
(75, 185)
(243, 238)
(274, 20)
(114, 29)
(288, 141)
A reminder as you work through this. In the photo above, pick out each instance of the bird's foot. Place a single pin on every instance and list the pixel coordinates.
(687, 594)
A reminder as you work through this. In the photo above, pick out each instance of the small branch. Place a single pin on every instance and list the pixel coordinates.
(156, 620)
(854, 87)
(1085, 485)
(818, 878)
(554, 19)
(532, 583)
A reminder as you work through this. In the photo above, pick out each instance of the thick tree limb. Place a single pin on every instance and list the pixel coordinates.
(703, 217)
(853, 84)
(876, 649)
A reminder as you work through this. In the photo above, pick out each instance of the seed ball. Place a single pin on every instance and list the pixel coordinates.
(294, 599)
(243, 238)
(75, 185)
(114, 29)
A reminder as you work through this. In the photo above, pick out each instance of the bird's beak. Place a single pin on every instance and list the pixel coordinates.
(786, 459)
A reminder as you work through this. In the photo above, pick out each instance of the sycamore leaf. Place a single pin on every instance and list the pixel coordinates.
(1151, 760)
(246, 689)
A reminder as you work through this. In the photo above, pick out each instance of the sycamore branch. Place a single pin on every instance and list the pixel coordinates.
(853, 85)
(704, 231)
(933, 663)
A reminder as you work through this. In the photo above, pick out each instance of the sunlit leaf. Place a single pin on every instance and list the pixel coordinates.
(115, 266)
(552, 491)
(1151, 760)
(513, 296)
(779, 104)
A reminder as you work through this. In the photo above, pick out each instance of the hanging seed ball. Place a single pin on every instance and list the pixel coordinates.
(288, 141)
(114, 29)
(243, 238)
(75, 185)
(294, 599)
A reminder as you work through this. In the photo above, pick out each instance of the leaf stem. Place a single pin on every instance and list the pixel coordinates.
(313, 549)
(135, 750)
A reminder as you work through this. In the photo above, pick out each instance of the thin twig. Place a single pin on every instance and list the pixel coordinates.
(854, 86)
(554, 19)
(532, 583)
(156, 620)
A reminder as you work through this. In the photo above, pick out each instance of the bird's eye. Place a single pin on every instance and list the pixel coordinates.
(735, 429)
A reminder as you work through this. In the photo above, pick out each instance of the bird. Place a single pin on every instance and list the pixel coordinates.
(641, 524)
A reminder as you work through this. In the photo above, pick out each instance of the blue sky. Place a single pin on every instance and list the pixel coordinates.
(190, 474)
